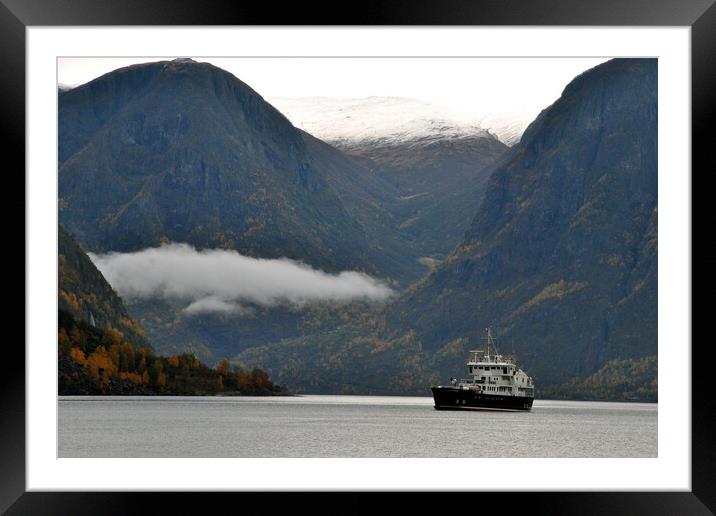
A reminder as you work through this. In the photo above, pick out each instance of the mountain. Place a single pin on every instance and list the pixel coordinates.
(436, 158)
(84, 294)
(560, 260)
(562, 257)
(184, 151)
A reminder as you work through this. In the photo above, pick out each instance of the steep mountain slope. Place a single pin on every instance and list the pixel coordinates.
(86, 296)
(184, 151)
(372, 201)
(435, 158)
(561, 259)
(562, 256)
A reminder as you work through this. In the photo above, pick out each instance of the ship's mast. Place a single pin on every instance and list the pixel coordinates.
(489, 338)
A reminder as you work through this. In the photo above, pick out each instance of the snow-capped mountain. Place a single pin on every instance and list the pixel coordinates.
(346, 122)
(438, 159)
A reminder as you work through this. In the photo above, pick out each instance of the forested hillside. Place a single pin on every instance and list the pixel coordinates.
(103, 351)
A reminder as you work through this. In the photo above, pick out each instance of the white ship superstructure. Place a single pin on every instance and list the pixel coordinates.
(496, 374)
(493, 382)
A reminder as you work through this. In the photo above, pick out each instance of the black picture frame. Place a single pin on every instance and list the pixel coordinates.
(16, 15)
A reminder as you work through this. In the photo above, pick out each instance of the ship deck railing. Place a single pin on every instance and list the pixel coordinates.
(481, 357)
(472, 382)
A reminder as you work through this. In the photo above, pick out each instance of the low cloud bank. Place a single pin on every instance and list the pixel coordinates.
(218, 280)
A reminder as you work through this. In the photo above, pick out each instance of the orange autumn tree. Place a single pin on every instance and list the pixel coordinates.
(78, 356)
(100, 366)
(135, 378)
(244, 378)
(223, 367)
(64, 341)
(111, 337)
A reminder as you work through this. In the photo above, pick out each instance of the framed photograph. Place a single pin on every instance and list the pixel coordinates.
(266, 244)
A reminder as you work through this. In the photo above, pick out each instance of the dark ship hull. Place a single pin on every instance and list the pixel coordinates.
(454, 398)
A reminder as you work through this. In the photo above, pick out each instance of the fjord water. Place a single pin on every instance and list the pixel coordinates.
(347, 426)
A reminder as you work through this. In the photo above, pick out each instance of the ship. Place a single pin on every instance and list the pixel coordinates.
(494, 383)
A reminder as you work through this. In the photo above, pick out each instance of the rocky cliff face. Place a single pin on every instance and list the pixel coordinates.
(561, 259)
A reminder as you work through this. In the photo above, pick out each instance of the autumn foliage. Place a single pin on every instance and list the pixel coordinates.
(103, 361)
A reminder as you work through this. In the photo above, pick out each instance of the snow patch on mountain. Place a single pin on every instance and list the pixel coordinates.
(507, 126)
(377, 119)
(384, 121)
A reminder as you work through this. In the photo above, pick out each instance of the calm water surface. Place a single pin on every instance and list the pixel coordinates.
(347, 426)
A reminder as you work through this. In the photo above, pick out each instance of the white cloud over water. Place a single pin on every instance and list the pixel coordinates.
(219, 281)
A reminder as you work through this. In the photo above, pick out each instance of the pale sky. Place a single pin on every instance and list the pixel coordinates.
(479, 85)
